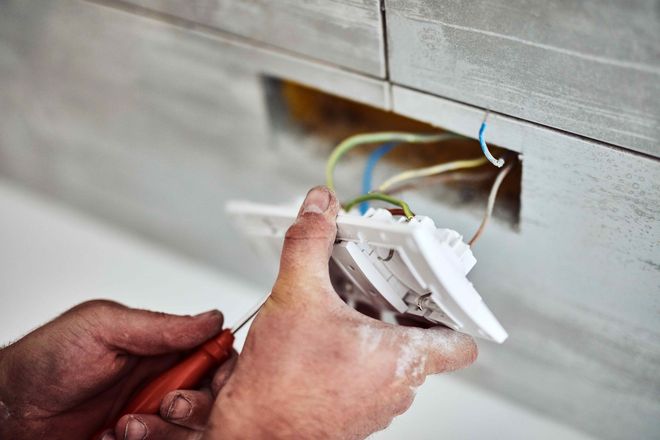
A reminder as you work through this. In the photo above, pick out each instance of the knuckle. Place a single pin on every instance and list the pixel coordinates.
(467, 350)
(418, 378)
(219, 381)
(309, 227)
(383, 423)
(473, 349)
(403, 404)
(96, 307)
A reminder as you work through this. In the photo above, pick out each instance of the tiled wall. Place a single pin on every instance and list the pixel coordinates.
(153, 125)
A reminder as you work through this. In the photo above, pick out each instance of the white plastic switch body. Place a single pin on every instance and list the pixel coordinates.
(403, 267)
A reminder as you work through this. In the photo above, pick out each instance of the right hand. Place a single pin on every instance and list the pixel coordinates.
(312, 367)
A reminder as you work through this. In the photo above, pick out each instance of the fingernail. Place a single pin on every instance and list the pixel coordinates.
(108, 436)
(135, 430)
(208, 314)
(317, 200)
(179, 408)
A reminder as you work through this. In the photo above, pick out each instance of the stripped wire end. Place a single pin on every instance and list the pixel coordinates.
(499, 163)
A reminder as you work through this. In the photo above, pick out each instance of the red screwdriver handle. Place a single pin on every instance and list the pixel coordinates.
(185, 375)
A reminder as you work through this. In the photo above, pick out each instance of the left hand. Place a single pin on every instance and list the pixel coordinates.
(68, 378)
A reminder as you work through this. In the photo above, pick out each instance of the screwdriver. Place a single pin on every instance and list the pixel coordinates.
(187, 374)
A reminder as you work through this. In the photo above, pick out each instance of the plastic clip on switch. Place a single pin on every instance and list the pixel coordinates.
(405, 267)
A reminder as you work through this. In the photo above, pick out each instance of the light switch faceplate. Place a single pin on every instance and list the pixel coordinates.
(403, 267)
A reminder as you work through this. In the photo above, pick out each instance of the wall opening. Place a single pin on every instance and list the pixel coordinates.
(310, 114)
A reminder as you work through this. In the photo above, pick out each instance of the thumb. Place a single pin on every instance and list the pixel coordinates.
(146, 333)
(308, 244)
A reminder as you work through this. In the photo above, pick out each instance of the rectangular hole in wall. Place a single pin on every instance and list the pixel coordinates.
(317, 121)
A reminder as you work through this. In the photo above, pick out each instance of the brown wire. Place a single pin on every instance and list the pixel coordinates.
(490, 206)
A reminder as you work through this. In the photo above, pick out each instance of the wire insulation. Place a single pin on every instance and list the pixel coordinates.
(448, 177)
(375, 138)
(367, 177)
(491, 201)
(383, 198)
(497, 162)
(431, 171)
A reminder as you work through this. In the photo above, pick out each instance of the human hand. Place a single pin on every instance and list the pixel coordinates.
(312, 367)
(72, 376)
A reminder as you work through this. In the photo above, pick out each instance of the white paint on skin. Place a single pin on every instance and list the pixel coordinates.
(414, 353)
(370, 337)
(445, 341)
(412, 358)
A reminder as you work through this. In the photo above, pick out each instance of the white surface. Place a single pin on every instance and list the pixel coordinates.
(52, 258)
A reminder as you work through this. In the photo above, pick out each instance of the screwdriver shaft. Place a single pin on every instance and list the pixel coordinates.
(249, 315)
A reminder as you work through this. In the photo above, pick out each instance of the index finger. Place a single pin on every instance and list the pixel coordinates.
(440, 349)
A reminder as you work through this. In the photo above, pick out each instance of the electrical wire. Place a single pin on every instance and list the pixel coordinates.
(449, 177)
(491, 201)
(497, 162)
(431, 171)
(404, 137)
(367, 177)
(373, 159)
(375, 138)
(384, 198)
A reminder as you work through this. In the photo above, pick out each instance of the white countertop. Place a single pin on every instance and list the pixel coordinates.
(52, 257)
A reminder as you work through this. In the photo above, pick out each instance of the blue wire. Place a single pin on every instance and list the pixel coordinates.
(497, 162)
(381, 151)
(373, 159)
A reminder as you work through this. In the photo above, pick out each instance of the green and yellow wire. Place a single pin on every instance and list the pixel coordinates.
(376, 138)
(431, 171)
(383, 198)
(399, 137)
